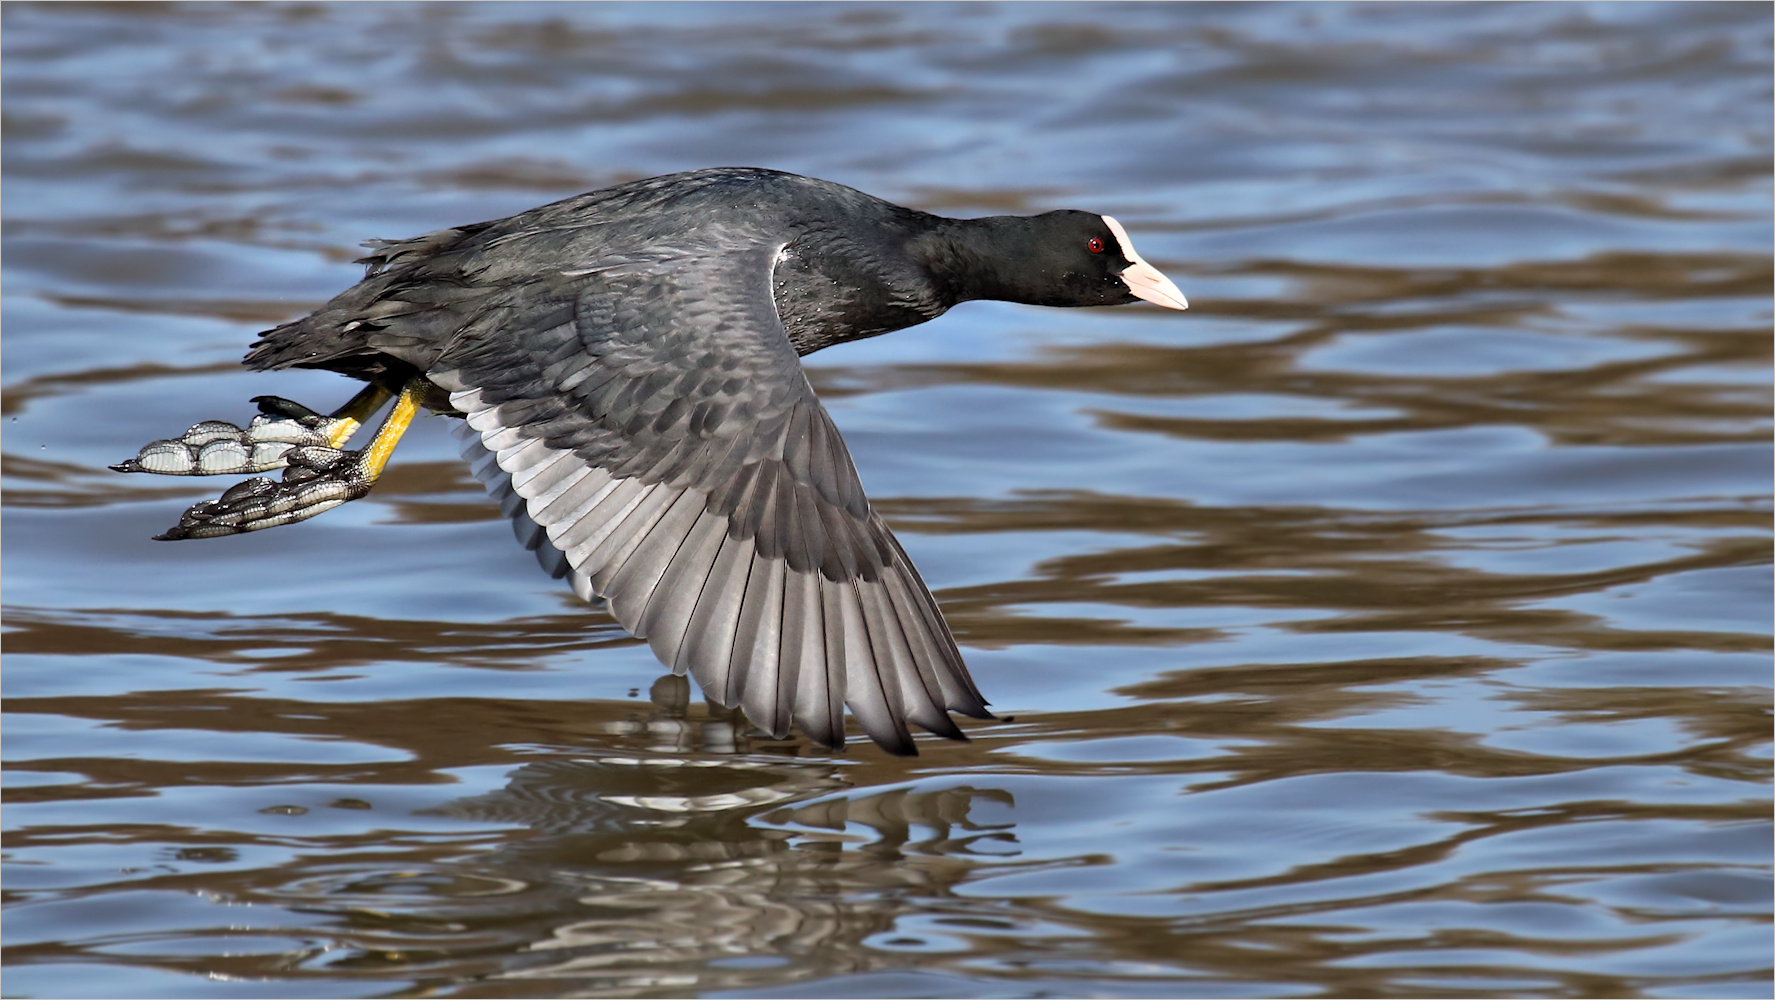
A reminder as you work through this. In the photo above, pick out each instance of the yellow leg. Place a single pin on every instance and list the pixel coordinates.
(347, 419)
(389, 434)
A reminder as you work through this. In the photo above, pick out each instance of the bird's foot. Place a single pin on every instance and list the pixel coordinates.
(216, 447)
(316, 478)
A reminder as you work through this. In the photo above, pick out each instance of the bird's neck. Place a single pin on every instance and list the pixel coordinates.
(974, 258)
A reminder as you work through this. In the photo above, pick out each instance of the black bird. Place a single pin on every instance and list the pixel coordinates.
(626, 362)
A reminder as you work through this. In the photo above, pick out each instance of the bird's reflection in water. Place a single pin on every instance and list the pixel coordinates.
(668, 728)
(686, 863)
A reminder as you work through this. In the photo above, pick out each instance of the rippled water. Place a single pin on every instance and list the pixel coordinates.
(1396, 622)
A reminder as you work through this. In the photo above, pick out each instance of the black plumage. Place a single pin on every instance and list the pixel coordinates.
(627, 364)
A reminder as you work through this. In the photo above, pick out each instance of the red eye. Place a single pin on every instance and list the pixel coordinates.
(1096, 245)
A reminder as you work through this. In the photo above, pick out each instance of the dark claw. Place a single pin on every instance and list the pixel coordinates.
(315, 479)
(277, 406)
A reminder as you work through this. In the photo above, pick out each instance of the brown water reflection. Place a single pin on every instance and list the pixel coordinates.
(1393, 623)
(648, 874)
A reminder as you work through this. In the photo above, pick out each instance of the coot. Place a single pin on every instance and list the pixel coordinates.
(626, 364)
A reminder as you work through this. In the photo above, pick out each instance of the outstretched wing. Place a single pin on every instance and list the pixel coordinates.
(655, 421)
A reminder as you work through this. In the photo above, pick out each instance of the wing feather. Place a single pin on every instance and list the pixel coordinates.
(672, 606)
(579, 536)
(530, 534)
(875, 703)
(562, 480)
(664, 451)
(635, 572)
(571, 503)
(899, 674)
(714, 622)
(757, 665)
(604, 559)
(811, 655)
(960, 694)
(547, 469)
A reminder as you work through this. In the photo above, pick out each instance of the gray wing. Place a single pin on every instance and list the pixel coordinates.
(656, 425)
(498, 482)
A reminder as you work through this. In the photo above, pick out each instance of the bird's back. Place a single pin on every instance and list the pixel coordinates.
(418, 294)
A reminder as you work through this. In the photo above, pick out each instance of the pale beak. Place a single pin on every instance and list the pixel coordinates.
(1143, 279)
